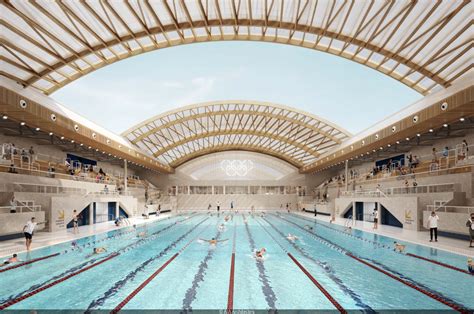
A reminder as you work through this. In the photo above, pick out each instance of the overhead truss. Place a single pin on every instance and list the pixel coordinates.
(180, 135)
(50, 43)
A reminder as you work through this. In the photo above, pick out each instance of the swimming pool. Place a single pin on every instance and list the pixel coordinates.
(327, 268)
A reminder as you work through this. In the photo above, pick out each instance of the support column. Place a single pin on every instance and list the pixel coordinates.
(347, 174)
(125, 175)
(91, 213)
(353, 212)
(117, 211)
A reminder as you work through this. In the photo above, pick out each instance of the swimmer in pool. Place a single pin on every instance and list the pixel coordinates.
(470, 266)
(98, 250)
(213, 241)
(141, 234)
(308, 227)
(75, 246)
(260, 253)
(221, 227)
(399, 247)
(227, 218)
(292, 237)
(13, 259)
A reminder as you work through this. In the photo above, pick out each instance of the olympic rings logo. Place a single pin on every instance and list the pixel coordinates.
(236, 168)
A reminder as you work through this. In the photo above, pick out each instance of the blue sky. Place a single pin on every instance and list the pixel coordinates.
(128, 92)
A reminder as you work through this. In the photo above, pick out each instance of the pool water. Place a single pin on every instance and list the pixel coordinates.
(170, 267)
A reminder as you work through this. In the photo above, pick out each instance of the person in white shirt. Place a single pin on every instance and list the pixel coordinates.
(376, 218)
(13, 205)
(470, 225)
(28, 230)
(433, 226)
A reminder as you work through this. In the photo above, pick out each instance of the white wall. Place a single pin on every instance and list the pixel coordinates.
(241, 202)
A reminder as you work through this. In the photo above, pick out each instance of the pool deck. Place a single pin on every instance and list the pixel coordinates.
(408, 236)
(43, 239)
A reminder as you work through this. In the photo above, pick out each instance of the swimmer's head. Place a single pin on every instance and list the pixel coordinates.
(213, 239)
(14, 255)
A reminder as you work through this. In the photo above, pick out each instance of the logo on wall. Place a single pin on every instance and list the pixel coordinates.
(236, 168)
(408, 217)
(59, 221)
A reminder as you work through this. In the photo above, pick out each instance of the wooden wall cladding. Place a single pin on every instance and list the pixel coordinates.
(36, 115)
(459, 105)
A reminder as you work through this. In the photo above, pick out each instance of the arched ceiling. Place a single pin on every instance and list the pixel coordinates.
(178, 136)
(421, 43)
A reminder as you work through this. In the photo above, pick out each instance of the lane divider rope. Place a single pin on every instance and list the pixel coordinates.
(387, 247)
(143, 284)
(230, 295)
(425, 292)
(440, 263)
(31, 261)
(159, 270)
(315, 282)
(320, 287)
(36, 291)
(429, 294)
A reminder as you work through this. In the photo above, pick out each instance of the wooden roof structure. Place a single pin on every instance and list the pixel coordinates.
(423, 44)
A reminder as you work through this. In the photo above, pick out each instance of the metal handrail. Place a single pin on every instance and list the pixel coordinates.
(7, 209)
(420, 189)
(459, 151)
(50, 174)
(463, 209)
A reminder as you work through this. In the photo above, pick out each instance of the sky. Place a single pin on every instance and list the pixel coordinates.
(344, 92)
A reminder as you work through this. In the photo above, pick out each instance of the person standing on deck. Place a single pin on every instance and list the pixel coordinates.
(75, 222)
(28, 231)
(433, 226)
(376, 218)
(470, 225)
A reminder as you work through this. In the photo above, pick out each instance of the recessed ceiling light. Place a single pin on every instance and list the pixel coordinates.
(37, 129)
(389, 145)
(72, 141)
(460, 119)
(418, 134)
(82, 144)
(431, 130)
(445, 125)
(398, 142)
(22, 123)
(62, 137)
(50, 133)
(4, 117)
(407, 138)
